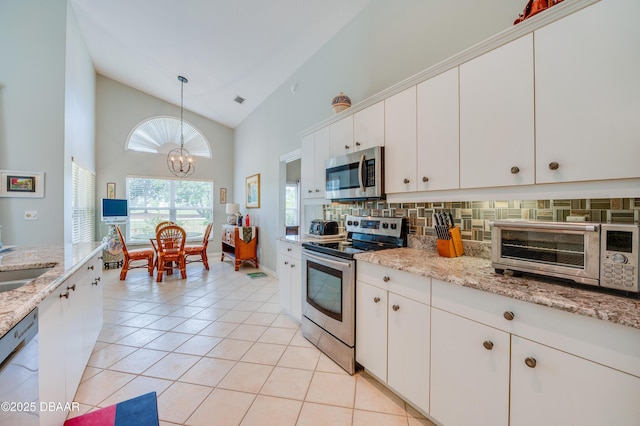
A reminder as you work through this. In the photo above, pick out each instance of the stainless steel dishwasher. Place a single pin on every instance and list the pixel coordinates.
(19, 389)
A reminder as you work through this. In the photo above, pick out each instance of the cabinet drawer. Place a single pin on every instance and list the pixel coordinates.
(403, 283)
(290, 249)
(597, 340)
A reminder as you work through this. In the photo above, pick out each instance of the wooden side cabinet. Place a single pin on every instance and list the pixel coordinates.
(236, 248)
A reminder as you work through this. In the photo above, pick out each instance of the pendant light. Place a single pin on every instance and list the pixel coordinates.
(179, 160)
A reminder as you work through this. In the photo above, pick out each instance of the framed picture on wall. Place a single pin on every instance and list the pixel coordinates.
(253, 191)
(223, 195)
(111, 190)
(21, 184)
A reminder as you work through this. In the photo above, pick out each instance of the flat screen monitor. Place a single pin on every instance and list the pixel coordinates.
(114, 210)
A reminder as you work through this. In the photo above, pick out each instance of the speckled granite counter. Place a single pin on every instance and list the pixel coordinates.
(477, 273)
(63, 260)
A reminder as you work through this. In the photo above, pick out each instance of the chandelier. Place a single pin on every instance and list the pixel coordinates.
(179, 160)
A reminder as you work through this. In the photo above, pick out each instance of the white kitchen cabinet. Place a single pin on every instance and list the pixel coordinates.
(69, 321)
(551, 387)
(371, 326)
(314, 152)
(368, 127)
(438, 133)
(341, 138)
(290, 278)
(588, 94)
(470, 371)
(400, 142)
(497, 117)
(392, 323)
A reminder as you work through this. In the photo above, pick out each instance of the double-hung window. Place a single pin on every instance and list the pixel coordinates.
(188, 203)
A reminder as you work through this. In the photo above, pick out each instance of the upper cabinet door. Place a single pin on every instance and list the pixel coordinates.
(496, 117)
(438, 133)
(368, 127)
(588, 94)
(342, 137)
(400, 142)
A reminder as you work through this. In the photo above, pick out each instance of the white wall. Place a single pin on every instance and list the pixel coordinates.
(119, 109)
(385, 44)
(32, 114)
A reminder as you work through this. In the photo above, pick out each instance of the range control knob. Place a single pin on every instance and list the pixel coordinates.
(394, 226)
(385, 225)
(349, 223)
(356, 223)
(619, 258)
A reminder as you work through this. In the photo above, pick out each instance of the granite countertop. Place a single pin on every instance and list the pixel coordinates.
(64, 260)
(475, 272)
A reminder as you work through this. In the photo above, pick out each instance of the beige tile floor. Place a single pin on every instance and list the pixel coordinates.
(218, 350)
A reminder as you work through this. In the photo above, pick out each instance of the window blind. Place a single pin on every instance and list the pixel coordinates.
(83, 204)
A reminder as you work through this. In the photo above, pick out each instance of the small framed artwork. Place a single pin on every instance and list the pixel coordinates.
(253, 191)
(223, 195)
(21, 184)
(111, 190)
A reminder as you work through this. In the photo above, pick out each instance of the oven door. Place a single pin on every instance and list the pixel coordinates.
(328, 294)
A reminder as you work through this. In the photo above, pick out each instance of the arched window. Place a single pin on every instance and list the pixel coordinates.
(160, 135)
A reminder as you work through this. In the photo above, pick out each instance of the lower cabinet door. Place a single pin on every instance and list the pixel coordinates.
(371, 326)
(469, 371)
(408, 351)
(550, 387)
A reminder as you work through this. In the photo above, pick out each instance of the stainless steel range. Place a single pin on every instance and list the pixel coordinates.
(329, 283)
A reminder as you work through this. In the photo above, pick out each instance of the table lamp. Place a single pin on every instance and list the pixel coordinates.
(232, 211)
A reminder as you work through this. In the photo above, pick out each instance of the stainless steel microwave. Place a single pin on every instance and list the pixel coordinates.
(356, 176)
(600, 254)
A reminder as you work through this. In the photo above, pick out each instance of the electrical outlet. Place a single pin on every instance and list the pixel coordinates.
(30, 215)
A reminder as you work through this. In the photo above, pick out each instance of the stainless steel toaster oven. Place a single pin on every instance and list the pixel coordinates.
(599, 254)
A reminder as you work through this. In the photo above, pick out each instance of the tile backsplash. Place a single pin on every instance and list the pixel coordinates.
(473, 216)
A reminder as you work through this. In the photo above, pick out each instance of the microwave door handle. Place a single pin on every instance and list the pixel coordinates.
(360, 167)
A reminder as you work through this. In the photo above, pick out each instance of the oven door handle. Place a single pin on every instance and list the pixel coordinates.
(360, 180)
(545, 226)
(329, 261)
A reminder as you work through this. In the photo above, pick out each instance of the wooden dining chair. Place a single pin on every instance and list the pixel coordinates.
(199, 249)
(170, 241)
(153, 240)
(134, 256)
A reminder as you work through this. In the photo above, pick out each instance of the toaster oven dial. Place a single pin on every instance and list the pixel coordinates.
(619, 258)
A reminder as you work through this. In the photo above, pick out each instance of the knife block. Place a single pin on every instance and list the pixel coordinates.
(453, 246)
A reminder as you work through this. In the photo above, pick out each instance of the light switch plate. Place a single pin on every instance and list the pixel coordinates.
(30, 215)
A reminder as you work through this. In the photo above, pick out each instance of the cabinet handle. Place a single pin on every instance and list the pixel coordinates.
(65, 295)
(508, 315)
(553, 165)
(515, 170)
(98, 278)
(530, 362)
(425, 179)
(95, 282)
(346, 147)
(309, 191)
(385, 279)
(357, 143)
(90, 267)
(406, 180)
(395, 307)
(286, 263)
(488, 345)
(288, 249)
(72, 288)
(317, 190)
(376, 299)
(293, 265)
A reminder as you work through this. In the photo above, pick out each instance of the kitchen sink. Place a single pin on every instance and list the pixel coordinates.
(10, 280)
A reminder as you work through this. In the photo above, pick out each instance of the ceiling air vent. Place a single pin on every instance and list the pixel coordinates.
(239, 99)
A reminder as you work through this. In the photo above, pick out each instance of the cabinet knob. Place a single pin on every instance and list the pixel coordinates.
(508, 315)
(530, 362)
(65, 295)
(406, 180)
(293, 265)
(488, 345)
(553, 165)
(317, 190)
(72, 288)
(376, 299)
(385, 279)
(357, 143)
(309, 191)
(90, 267)
(288, 248)
(425, 179)
(346, 147)
(286, 263)
(395, 307)
(515, 170)
(95, 282)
